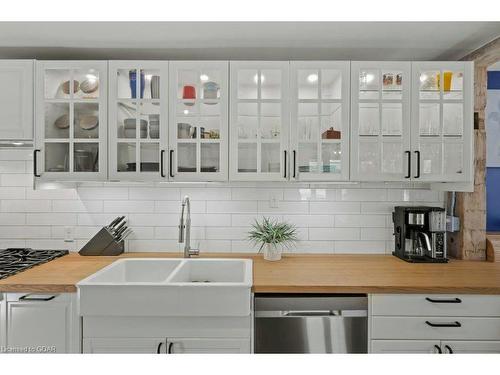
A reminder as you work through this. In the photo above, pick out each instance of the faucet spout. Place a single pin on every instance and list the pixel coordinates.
(185, 229)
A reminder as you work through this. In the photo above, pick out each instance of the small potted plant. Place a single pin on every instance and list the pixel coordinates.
(273, 237)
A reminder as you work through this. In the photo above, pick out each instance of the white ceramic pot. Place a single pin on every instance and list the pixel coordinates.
(272, 252)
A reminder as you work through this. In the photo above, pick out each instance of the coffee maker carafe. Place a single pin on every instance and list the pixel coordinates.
(420, 234)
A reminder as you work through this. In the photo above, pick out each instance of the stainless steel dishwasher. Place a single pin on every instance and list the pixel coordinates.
(311, 324)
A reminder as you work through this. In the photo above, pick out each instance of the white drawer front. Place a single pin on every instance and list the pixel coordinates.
(416, 328)
(405, 346)
(435, 305)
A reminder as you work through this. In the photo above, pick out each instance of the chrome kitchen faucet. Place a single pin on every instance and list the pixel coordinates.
(185, 229)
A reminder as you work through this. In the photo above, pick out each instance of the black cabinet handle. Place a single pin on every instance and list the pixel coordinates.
(449, 349)
(162, 154)
(438, 349)
(454, 300)
(284, 175)
(35, 168)
(418, 164)
(29, 297)
(294, 159)
(170, 163)
(170, 346)
(408, 154)
(444, 325)
(159, 347)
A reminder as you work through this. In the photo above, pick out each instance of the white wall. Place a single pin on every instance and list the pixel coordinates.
(352, 218)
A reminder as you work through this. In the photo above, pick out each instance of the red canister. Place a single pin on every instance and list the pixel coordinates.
(188, 92)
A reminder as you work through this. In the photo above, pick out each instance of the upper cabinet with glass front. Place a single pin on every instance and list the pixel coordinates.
(138, 97)
(198, 126)
(71, 131)
(442, 121)
(320, 120)
(259, 121)
(380, 121)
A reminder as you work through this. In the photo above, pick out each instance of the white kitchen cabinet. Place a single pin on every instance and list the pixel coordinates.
(42, 323)
(71, 120)
(3, 320)
(380, 121)
(138, 118)
(16, 100)
(470, 347)
(207, 346)
(125, 345)
(442, 121)
(198, 126)
(319, 134)
(417, 323)
(405, 346)
(259, 121)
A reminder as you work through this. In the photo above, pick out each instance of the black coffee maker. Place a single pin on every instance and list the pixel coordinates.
(420, 234)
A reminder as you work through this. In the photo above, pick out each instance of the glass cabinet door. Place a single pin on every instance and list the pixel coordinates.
(259, 121)
(71, 120)
(320, 120)
(198, 130)
(442, 122)
(138, 117)
(380, 121)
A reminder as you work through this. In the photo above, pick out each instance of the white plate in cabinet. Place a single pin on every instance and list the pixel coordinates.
(405, 346)
(319, 134)
(125, 345)
(260, 121)
(16, 102)
(435, 305)
(198, 126)
(138, 98)
(71, 129)
(428, 327)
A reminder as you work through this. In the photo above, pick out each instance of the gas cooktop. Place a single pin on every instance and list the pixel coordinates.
(13, 261)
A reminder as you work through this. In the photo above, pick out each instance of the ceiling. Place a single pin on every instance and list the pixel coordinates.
(245, 40)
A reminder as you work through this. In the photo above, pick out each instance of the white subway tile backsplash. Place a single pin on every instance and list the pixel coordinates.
(334, 208)
(51, 219)
(104, 193)
(231, 206)
(330, 218)
(283, 207)
(155, 194)
(26, 206)
(354, 221)
(16, 179)
(129, 206)
(12, 193)
(76, 206)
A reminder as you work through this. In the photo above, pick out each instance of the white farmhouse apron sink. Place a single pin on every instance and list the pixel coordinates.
(168, 287)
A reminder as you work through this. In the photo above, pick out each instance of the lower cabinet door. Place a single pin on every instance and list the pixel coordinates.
(40, 323)
(405, 346)
(125, 345)
(209, 346)
(463, 347)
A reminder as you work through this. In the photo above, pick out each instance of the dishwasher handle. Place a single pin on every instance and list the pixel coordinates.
(310, 313)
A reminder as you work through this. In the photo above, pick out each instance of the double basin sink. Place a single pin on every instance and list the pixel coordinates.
(168, 287)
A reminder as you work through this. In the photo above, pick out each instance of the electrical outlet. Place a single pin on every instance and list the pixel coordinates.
(274, 201)
(69, 235)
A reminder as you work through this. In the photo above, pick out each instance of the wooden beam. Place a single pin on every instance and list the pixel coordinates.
(470, 242)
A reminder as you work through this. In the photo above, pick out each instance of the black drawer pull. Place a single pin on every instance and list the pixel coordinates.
(171, 158)
(29, 297)
(158, 349)
(35, 164)
(170, 348)
(445, 325)
(454, 300)
(438, 349)
(449, 349)
(408, 153)
(162, 173)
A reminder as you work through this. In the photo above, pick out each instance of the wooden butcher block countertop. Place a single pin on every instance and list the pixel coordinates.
(294, 274)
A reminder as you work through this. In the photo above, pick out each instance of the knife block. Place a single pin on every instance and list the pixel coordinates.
(103, 243)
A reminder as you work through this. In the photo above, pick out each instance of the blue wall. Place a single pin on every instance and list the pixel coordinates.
(493, 174)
